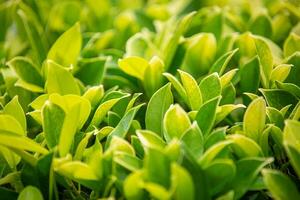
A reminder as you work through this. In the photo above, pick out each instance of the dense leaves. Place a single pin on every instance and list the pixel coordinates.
(122, 99)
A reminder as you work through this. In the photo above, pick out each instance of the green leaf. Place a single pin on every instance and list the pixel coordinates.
(193, 139)
(66, 48)
(177, 86)
(255, 118)
(192, 90)
(53, 117)
(249, 74)
(133, 186)
(199, 64)
(224, 110)
(227, 78)
(157, 167)
(14, 109)
(153, 78)
(265, 58)
(94, 95)
(290, 88)
(291, 44)
(123, 126)
(134, 66)
(26, 71)
(9, 124)
(247, 171)
(212, 153)
(207, 114)
(221, 63)
(29, 193)
(278, 98)
(20, 142)
(59, 80)
(91, 70)
(182, 183)
(176, 122)
(150, 139)
(280, 186)
(210, 87)
(220, 174)
(101, 111)
(244, 146)
(157, 106)
(261, 25)
(280, 72)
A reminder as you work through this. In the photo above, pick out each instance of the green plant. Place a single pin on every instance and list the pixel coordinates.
(155, 99)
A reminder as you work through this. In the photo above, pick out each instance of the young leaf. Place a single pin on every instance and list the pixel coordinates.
(60, 81)
(29, 193)
(255, 118)
(280, 186)
(157, 106)
(176, 122)
(210, 87)
(182, 183)
(265, 58)
(291, 45)
(123, 126)
(26, 71)
(207, 114)
(150, 139)
(249, 74)
(14, 109)
(192, 90)
(66, 49)
(153, 75)
(134, 66)
(220, 65)
(193, 139)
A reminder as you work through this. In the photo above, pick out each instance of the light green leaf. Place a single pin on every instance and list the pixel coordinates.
(157, 167)
(182, 183)
(176, 122)
(133, 186)
(224, 110)
(134, 66)
(14, 109)
(192, 90)
(29, 193)
(280, 72)
(59, 80)
(157, 106)
(9, 124)
(177, 86)
(193, 139)
(210, 87)
(150, 139)
(291, 44)
(221, 63)
(66, 48)
(244, 146)
(153, 78)
(226, 78)
(212, 153)
(123, 126)
(280, 186)
(255, 118)
(101, 112)
(265, 58)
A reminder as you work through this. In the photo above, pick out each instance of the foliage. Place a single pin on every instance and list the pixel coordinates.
(157, 99)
